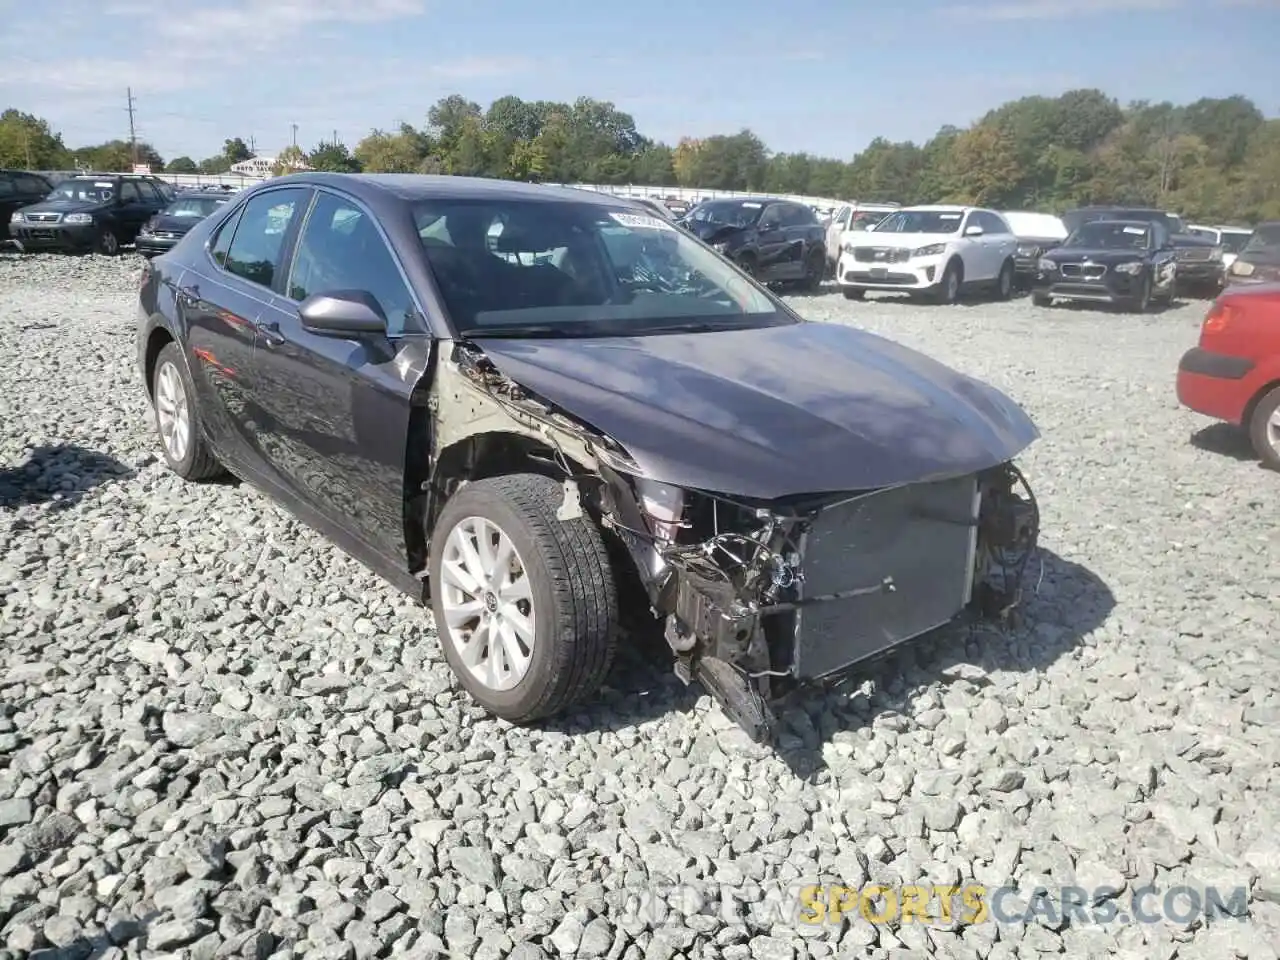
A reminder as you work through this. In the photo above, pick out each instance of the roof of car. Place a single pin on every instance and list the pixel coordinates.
(421, 186)
(1119, 221)
(936, 208)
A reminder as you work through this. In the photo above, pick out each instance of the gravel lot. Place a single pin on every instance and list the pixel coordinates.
(219, 736)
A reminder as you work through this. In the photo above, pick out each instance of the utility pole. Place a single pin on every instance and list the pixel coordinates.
(295, 133)
(335, 139)
(133, 136)
(253, 145)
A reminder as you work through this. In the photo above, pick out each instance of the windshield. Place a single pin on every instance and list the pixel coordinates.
(538, 268)
(1104, 235)
(1234, 242)
(1265, 240)
(730, 213)
(84, 191)
(921, 221)
(194, 206)
(1204, 233)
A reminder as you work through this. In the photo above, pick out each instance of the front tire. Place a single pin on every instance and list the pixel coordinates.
(107, 244)
(854, 293)
(1264, 429)
(1041, 300)
(1142, 302)
(177, 418)
(814, 269)
(949, 285)
(525, 604)
(1004, 282)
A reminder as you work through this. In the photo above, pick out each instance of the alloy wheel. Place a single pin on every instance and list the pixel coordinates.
(1273, 430)
(487, 601)
(109, 244)
(173, 412)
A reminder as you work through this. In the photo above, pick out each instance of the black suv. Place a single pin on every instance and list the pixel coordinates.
(1199, 261)
(19, 188)
(773, 240)
(90, 212)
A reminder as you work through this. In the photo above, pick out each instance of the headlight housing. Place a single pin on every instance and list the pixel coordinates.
(720, 247)
(1216, 255)
(1242, 268)
(1028, 250)
(1132, 269)
(16, 217)
(932, 250)
(78, 218)
(1047, 266)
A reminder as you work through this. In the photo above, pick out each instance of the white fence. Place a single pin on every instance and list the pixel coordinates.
(688, 194)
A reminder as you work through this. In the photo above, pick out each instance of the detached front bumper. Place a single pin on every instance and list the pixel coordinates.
(915, 273)
(54, 236)
(1200, 273)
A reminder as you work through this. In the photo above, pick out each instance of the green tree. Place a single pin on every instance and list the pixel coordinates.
(117, 156)
(28, 142)
(290, 160)
(401, 152)
(236, 150)
(181, 165)
(333, 158)
(982, 167)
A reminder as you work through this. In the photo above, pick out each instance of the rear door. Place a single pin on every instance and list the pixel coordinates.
(131, 210)
(835, 231)
(771, 241)
(9, 201)
(337, 410)
(998, 238)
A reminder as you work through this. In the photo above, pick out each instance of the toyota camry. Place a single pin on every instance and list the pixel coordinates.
(548, 413)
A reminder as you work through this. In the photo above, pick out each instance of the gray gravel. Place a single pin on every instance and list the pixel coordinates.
(220, 737)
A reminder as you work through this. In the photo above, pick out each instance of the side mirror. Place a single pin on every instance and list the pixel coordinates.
(973, 231)
(347, 314)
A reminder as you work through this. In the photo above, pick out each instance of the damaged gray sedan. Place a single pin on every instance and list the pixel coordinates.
(554, 416)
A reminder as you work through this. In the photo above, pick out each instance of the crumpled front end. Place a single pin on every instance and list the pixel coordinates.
(758, 596)
(798, 591)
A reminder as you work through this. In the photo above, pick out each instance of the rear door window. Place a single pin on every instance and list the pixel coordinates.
(254, 253)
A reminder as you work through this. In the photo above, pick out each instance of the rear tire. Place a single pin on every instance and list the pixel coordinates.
(747, 264)
(1142, 302)
(814, 269)
(571, 598)
(854, 293)
(174, 407)
(1264, 429)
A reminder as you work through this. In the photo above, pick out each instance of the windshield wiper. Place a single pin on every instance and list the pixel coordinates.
(524, 330)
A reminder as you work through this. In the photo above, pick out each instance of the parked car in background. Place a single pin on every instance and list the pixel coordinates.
(1230, 239)
(523, 444)
(19, 188)
(852, 216)
(773, 240)
(166, 228)
(932, 250)
(1233, 373)
(1036, 233)
(1129, 263)
(1199, 261)
(1259, 259)
(92, 212)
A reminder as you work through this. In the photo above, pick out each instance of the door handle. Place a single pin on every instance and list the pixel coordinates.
(271, 333)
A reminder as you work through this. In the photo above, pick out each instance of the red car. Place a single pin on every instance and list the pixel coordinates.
(1234, 372)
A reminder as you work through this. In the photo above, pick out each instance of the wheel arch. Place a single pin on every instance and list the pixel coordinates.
(157, 339)
(1252, 405)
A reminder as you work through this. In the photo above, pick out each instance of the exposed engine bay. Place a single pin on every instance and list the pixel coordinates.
(756, 598)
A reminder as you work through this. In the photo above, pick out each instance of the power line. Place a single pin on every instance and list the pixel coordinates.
(133, 135)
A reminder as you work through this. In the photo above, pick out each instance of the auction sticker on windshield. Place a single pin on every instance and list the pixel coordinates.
(641, 221)
(753, 206)
(1138, 230)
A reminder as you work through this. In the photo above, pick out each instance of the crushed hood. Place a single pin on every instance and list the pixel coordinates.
(772, 412)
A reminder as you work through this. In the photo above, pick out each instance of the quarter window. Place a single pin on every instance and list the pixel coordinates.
(255, 249)
(341, 249)
(129, 192)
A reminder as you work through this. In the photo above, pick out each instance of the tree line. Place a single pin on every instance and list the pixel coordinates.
(1216, 159)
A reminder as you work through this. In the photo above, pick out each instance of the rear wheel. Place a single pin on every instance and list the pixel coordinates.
(1264, 429)
(525, 603)
(177, 416)
(854, 293)
(748, 264)
(814, 268)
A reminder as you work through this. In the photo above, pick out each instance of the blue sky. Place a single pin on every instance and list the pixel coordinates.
(822, 76)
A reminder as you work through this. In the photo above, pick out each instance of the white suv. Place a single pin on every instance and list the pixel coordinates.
(936, 250)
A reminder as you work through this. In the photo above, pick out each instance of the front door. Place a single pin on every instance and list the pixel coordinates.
(337, 409)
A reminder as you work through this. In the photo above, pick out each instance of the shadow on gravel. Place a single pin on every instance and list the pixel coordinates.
(59, 475)
(1071, 602)
(1225, 440)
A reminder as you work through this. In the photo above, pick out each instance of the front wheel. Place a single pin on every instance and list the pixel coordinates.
(525, 603)
(854, 293)
(1142, 302)
(108, 244)
(1264, 429)
(949, 286)
(814, 269)
(1004, 282)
